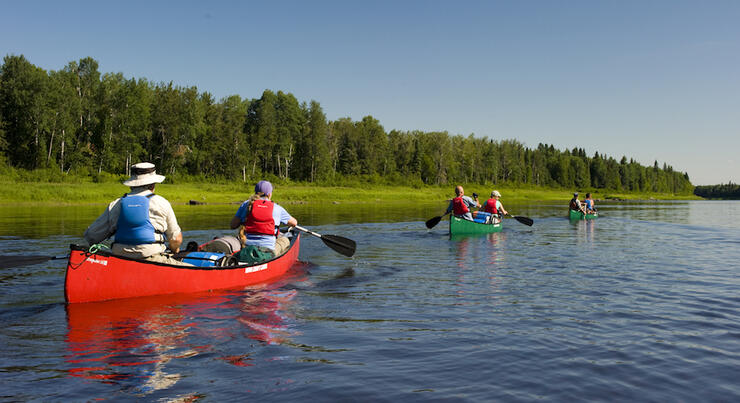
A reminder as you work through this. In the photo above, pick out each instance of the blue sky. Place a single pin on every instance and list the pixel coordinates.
(652, 80)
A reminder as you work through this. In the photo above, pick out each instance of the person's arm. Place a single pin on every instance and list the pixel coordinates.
(470, 202)
(175, 242)
(241, 214)
(449, 209)
(172, 229)
(101, 228)
(500, 208)
(285, 217)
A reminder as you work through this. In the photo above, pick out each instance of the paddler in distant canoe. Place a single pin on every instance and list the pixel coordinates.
(461, 205)
(590, 206)
(141, 221)
(494, 207)
(576, 204)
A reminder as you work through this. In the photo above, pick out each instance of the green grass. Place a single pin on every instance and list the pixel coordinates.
(34, 193)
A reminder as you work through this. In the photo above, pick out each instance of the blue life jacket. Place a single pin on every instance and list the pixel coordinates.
(134, 226)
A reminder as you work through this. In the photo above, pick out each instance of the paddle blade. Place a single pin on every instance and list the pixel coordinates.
(433, 221)
(343, 245)
(8, 261)
(524, 220)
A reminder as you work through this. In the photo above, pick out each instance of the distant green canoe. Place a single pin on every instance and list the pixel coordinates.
(462, 226)
(577, 215)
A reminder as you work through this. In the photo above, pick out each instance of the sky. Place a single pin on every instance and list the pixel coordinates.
(650, 80)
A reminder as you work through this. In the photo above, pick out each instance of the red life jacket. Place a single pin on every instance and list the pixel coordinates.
(490, 206)
(259, 219)
(459, 207)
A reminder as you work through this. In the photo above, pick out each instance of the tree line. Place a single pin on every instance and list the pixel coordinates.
(722, 191)
(77, 120)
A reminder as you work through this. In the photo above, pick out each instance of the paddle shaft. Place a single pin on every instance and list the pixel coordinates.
(8, 261)
(299, 228)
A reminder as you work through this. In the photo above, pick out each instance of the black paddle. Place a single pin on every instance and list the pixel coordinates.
(434, 221)
(8, 261)
(523, 220)
(343, 245)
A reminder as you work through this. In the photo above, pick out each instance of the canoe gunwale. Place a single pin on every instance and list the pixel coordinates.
(461, 226)
(578, 215)
(80, 248)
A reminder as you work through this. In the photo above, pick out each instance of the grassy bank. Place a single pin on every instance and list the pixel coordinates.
(32, 193)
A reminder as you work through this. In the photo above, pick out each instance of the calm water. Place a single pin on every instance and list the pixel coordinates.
(642, 304)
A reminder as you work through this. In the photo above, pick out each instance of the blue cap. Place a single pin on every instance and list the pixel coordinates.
(263, 187)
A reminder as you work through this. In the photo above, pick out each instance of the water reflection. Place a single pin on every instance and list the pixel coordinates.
(132, 341)
(478, 258)
(128, 339)
(487, 248)
(584, 230)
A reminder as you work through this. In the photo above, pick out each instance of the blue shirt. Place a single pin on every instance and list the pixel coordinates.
(279, 215)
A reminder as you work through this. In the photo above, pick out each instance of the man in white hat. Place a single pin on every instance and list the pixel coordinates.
(140, 220)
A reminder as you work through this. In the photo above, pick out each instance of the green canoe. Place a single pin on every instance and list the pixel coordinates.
(462, 226)
(577, 215)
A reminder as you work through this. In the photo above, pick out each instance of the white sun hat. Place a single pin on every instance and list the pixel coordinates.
(143, 174)
(495, 193)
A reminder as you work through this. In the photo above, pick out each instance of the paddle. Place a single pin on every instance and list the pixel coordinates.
(434, 221)
(523, 220)
(8, 261)
(340, 244)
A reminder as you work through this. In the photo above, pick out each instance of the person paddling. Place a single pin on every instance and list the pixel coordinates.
(140, 221)
(261, 218)
(494, 206)
(576, 204)
(589, 201)
(460, 205)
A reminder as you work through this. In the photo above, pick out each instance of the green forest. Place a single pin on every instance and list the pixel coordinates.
(722, 191)
(77, 121)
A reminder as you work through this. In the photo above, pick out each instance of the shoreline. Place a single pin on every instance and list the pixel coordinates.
(80, 194)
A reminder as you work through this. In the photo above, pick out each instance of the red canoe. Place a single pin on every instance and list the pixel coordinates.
(102, 276)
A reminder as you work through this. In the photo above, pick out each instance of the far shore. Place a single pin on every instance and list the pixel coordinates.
(50, 194)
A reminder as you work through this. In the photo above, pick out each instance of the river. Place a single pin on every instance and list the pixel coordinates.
(642, 304)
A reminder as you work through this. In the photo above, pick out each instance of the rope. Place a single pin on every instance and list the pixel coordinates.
(93, 249)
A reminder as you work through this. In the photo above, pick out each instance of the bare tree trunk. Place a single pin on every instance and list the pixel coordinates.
(61, 156)
(288, 160)
(280, 169)
(51, 144)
